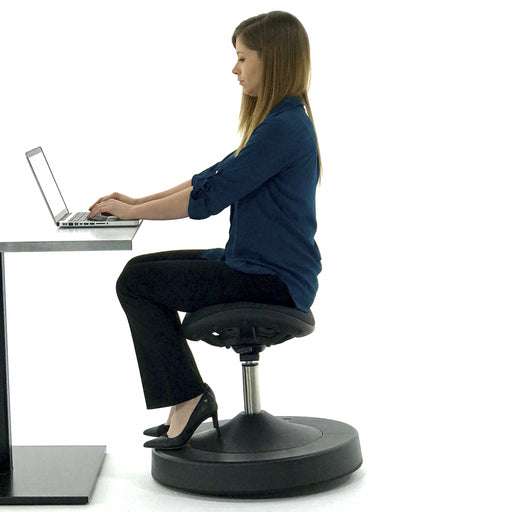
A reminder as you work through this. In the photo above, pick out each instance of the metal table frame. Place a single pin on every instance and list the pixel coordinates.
(48, 475)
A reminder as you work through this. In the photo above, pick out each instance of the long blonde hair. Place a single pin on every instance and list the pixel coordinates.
(282, 44)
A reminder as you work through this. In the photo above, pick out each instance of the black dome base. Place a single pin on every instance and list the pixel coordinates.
(261, 456)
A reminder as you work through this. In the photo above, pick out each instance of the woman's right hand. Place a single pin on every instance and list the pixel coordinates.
(118, 197)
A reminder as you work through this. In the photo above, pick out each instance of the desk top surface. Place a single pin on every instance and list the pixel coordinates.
(44, 238)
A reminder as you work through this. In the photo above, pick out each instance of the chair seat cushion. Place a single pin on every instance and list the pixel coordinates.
(247, 323)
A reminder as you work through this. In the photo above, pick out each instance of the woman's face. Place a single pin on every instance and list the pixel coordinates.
(249, 69)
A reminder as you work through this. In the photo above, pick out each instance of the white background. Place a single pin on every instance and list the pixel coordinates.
(412, 102)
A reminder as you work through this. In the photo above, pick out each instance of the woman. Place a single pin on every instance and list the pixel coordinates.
(271, 257)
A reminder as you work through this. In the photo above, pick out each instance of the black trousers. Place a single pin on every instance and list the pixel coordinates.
(154, 287)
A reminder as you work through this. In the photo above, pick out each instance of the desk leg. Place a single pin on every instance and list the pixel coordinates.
(5, 426)
(40, 475)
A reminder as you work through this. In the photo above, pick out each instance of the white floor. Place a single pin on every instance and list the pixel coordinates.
(396, 476)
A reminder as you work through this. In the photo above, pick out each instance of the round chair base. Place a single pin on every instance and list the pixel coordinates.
(262, 456)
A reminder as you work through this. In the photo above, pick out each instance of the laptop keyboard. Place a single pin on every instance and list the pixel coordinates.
(82, 216)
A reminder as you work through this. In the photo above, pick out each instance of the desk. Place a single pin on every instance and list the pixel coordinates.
(47, 475)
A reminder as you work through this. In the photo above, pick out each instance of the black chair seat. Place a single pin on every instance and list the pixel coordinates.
(247, 323)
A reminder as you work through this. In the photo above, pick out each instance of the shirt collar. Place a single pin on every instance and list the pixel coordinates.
(286, 104)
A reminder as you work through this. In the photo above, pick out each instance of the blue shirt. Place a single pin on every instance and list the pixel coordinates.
(271, 188)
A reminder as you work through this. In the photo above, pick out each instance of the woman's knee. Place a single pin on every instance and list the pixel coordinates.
(126, 278)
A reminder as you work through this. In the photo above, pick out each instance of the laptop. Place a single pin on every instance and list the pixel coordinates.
(55, 201)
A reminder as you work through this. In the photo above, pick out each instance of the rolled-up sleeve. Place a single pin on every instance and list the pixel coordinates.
(270, 149)
(198, 202)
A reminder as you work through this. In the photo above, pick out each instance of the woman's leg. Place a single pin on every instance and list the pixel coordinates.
(167, 368)
(153, 288)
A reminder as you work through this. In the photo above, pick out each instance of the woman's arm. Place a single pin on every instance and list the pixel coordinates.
(133, 201)
(173, 206)
(170, 204)
(165, 193)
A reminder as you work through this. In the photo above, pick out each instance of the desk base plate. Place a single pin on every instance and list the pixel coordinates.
(51, 475)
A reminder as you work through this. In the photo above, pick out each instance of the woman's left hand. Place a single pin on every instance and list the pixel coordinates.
(114, 207)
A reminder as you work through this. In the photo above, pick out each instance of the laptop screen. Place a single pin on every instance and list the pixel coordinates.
(47, 183)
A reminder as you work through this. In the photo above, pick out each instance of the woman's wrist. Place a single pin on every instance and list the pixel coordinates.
(136, 211)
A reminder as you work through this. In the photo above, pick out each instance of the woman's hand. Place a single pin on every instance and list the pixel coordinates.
(116, 204)
(118, 197)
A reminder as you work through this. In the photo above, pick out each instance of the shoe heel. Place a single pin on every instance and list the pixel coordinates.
(215, 418)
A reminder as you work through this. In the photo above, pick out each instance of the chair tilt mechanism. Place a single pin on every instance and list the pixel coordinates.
(258, 454)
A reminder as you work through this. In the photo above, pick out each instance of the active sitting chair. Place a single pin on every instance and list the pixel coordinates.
(257, 455)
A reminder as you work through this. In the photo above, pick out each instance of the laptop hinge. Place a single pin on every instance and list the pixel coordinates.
(62, 215)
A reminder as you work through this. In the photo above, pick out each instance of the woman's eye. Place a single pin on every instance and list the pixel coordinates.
(241, 60)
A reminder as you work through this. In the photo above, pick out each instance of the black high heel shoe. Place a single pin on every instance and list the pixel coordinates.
(162, 429)
(206, 408)
(157, 431)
